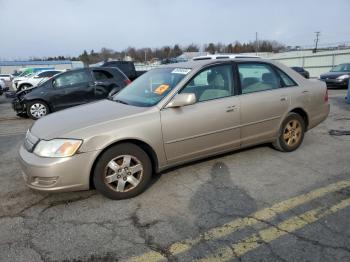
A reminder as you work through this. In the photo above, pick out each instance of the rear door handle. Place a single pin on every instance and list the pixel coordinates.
(231, 108)
(283, 98)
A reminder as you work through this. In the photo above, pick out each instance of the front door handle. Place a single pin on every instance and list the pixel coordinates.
(305, 92)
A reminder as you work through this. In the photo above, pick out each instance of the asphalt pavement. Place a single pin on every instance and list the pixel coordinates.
(256, 204)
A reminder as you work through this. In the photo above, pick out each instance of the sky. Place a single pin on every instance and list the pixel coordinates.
(39, 28)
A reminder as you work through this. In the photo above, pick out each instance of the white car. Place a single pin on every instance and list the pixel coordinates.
(7, 79)
(223, 56)
(3, 87)
(35, 79)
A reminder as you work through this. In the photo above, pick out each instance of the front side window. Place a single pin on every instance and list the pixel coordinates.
(256, 77)
(212, 83)
(150, 88)
(71, 78)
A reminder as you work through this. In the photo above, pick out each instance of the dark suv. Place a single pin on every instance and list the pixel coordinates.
(68, 89)
(127, 67)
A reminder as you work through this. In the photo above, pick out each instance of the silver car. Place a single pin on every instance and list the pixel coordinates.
(171, 115)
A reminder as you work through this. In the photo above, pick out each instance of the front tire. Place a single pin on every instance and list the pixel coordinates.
(37, 109)
(123, 171)
(23, 87)
(291, 133)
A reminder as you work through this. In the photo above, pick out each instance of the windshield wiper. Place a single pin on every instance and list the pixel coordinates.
(120, 101)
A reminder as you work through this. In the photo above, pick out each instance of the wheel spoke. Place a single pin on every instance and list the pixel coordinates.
(111, 178)
(133, 180)
(113, 165)
(121, 185)
(135, 169)
(286, 135)
(126, 161)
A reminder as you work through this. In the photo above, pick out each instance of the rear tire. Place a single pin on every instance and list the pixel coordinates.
(291, 133)
(123, 171)
(37, 109)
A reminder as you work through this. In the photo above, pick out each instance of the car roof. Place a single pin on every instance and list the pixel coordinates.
(224, 56)
(194, 64)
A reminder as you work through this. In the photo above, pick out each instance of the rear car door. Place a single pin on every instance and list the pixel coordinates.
(106, 81)
(72, 88)
(264, 102)
(211, 124)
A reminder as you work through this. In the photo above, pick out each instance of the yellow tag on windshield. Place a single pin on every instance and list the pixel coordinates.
(161, 89)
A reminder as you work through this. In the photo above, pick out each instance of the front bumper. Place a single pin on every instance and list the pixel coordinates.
(57, 174)
(336, 82)
(18, 106)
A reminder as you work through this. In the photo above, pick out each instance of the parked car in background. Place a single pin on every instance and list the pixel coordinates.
(7, 78)
(3, 87)
(301, 71)
(169, 116)
(338, 76)
(71, 88)
(35, 79)
(26, 73)
(127, 67)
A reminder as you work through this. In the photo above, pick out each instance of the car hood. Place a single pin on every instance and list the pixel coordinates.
(333, 75)
(60, 124)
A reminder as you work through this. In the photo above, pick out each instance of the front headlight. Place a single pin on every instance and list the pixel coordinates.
(57, 147)
(342, 77)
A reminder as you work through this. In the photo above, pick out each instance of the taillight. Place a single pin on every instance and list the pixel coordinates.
(127, 81)
(326, 96)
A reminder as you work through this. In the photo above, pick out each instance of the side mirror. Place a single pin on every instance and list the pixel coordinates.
(180, 100)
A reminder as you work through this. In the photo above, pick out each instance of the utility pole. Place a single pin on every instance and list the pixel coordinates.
(145, 55)
(316, 40)
(256, 43)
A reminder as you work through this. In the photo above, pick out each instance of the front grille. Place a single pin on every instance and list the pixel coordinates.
(30, 141)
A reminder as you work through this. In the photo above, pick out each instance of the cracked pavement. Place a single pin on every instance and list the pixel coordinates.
(184, 203)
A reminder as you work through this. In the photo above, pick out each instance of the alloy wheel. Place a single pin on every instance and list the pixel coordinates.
(38, 110)
(292, 133)
(123, 173)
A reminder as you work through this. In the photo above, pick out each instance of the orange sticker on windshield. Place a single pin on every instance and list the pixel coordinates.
(161, 89)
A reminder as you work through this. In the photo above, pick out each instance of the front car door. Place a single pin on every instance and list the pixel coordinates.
(209, 126)
(264, 101)
(71, 89)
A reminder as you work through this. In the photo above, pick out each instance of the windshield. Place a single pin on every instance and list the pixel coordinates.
(151, 87)
(341, 68)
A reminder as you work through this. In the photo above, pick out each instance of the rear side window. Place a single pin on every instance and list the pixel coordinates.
(256, 77)
(286, 81)
(102, 75)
